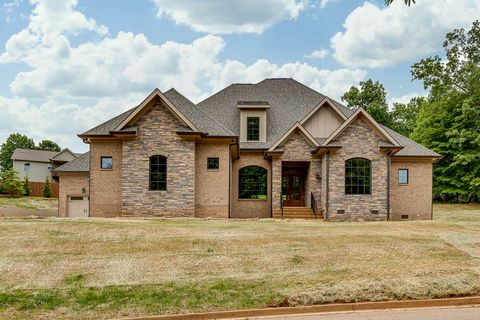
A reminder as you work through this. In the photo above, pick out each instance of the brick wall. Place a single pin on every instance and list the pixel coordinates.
(105, 185)
(212, 186)
(358, 140)
(71, 184)
(415, 198)
(157, 136)
(242, 208)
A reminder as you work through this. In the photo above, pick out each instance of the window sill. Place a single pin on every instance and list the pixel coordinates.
(252, 199)
(106, 169)
(403, 184)
(358, 195)
(213, 170)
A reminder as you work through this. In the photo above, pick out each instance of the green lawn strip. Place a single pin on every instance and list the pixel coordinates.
(171, 297)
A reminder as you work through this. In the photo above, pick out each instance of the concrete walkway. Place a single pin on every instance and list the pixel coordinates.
(443, 313)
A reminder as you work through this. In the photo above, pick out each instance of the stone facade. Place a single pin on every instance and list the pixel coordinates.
(105, 184)
(157, 136)
(212, 186)
(71, 184)
(296, 149)
(242, 208)
(415, 198)
(358, 140)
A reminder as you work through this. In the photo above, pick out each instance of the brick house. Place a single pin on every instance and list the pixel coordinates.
(272, 149)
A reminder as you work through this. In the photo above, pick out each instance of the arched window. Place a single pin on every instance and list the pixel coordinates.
(358, 176)
(252, 183)
(158, 173)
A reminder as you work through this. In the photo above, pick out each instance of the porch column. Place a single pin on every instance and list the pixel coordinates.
(276, 183)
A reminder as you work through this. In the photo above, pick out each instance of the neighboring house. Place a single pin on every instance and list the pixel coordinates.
(37, 165)
(272, 149)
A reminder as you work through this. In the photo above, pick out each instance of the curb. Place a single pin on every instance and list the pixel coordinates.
(335, 307)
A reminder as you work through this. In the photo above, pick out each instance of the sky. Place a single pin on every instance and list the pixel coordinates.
(68, 65)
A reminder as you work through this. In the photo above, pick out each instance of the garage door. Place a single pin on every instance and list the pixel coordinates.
(78, 207)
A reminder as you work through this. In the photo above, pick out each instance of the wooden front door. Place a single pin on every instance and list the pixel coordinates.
(293, 190)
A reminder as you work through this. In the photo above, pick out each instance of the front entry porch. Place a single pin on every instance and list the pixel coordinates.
(296, 200)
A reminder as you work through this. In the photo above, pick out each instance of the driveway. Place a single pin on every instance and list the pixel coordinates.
(445, 313)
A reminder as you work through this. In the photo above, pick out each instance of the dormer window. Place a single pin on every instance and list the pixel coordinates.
(253, 128)
(253, 120)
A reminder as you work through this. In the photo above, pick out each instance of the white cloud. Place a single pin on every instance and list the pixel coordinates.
(67, 89)
(330, 82)
(376, 37)
(317, 54)
(405, 98)
(233, 16)
(323, 3)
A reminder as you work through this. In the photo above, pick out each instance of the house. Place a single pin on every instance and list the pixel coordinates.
(276, 148)
(37, 166)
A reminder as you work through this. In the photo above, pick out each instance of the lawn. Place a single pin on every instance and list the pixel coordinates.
(90, 269)
(34, 203)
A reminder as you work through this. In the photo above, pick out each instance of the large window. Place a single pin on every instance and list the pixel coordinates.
(253, 128)
(158, 173)
(252, 183)
(358, 176)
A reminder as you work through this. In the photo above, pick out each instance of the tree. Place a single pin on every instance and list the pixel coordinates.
(449, 120)
(372, 97)
(48, 145)
(9, 183)
(47, 190)
(405, 115)
(407, 2)
(14, 141)
(27, 190)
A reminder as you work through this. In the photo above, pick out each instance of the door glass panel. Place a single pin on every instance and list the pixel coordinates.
(284, 188)
(296, 188)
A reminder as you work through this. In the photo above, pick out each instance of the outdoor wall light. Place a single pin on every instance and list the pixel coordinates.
(83, 190)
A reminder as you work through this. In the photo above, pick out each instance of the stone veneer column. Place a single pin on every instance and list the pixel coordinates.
(276, 183)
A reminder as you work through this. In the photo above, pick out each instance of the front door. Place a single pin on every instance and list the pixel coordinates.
(292, 190)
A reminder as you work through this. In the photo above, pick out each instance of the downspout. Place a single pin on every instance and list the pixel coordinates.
(389, 165)
(327, 186)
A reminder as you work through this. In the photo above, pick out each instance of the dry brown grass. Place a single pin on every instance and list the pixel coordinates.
(301, 262)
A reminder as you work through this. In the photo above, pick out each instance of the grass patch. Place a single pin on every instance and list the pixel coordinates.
(150, 299)
(107, 268)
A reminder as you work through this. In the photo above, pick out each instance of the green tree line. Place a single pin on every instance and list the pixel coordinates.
(18, 140)
(446, 120)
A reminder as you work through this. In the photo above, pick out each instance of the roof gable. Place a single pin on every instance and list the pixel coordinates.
(374, 124)
(322, 103)
(65, 152)
(296, 127)
(147, 104)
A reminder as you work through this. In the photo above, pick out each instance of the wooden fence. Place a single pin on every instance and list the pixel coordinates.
(37, 189)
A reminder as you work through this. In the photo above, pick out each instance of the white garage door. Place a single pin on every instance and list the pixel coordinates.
(78, 207)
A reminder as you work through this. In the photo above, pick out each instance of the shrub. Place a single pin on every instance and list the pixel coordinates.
(9, 183)
(47, 190)
(27, 190)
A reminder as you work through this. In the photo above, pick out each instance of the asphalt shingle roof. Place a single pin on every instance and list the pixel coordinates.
(33, 155)
(79, 164)
(289, 101)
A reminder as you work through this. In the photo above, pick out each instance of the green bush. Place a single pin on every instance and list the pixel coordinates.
(47, 190)
(10, 183)
(27, 190)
